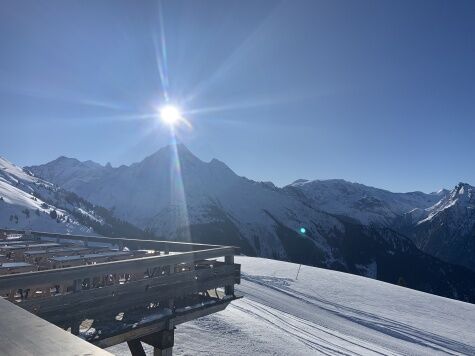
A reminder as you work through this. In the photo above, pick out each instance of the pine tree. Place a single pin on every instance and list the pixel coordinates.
(53, 214)
(27, 213)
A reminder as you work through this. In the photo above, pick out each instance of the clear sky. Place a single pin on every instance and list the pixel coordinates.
(378, 92)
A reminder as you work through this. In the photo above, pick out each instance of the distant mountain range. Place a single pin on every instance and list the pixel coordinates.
(441, 224)
(414, 239)
(31, 203)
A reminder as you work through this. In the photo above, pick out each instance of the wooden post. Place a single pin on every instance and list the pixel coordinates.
(77, 285)
(229, 289)
(136, 348)
(171, 301)
(162, 352)
(162, 341)
(75, 328)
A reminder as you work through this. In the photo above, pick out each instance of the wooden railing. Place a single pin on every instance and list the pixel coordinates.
(72, 293)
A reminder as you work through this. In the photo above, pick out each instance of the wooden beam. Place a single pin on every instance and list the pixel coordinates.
(134, 243)
(163, 339)
(94, 308)
(141, 286)
(141, 331)
(23, 280)
(136, 348)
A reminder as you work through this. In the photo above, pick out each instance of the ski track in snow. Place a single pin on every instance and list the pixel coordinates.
(326, 313)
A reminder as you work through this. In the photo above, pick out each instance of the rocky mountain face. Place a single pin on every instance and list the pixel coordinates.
(441, 224)
(335, 224)
(447, 229)
(365, 204)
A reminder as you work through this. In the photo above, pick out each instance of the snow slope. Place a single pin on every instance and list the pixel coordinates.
(325, 312)
(21, 208)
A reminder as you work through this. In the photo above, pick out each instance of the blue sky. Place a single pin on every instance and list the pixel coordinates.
(378, 92)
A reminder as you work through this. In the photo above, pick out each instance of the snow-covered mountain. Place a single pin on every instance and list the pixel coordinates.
(447, 229)
(21, 205)
(365, 204)
(166, 195)
(441, 224)
(177, 196)
(31, 203)
(325, 312)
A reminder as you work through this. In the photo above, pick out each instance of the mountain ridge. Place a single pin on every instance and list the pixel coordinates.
(348, 226)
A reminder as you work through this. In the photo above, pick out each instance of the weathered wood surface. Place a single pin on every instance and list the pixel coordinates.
(179, 284)
(95, 309)
(92, 302)
(22, 333)
(90, 271)
(143, 330)
(135, 244)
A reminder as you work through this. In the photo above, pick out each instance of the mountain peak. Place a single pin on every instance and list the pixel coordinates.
(299, 182)
(65, 159)
(170, 151)
(462, 190)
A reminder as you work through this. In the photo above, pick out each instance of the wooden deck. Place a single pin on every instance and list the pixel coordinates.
(22, 333)
(120, 290)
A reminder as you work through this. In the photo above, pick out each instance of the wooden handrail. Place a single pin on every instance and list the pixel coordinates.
(159, 244)
(88, 271)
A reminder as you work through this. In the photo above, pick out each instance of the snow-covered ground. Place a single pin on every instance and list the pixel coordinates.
(21, 208)
(325, 312)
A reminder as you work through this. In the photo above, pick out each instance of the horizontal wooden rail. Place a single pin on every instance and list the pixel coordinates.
(23, 280)
(96, 309)
(135, 287)
(131, 243)
(129, 298)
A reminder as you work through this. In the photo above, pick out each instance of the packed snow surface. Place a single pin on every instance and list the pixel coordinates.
(324, 312)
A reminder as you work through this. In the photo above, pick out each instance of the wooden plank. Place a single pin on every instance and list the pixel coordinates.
(22, 333)
(134, 243)
(89, 271)
(122, 302)
(157, 326)
(53, 303)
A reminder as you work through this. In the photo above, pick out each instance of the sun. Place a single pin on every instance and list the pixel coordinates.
(170, 115)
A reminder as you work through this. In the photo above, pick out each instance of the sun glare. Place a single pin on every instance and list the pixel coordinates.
(170, 115)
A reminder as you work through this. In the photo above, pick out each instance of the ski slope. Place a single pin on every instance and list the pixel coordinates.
(325, 312)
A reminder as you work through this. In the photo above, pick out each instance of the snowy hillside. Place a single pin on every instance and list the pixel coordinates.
(326, 313)
(21, 207)
(31, 203)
